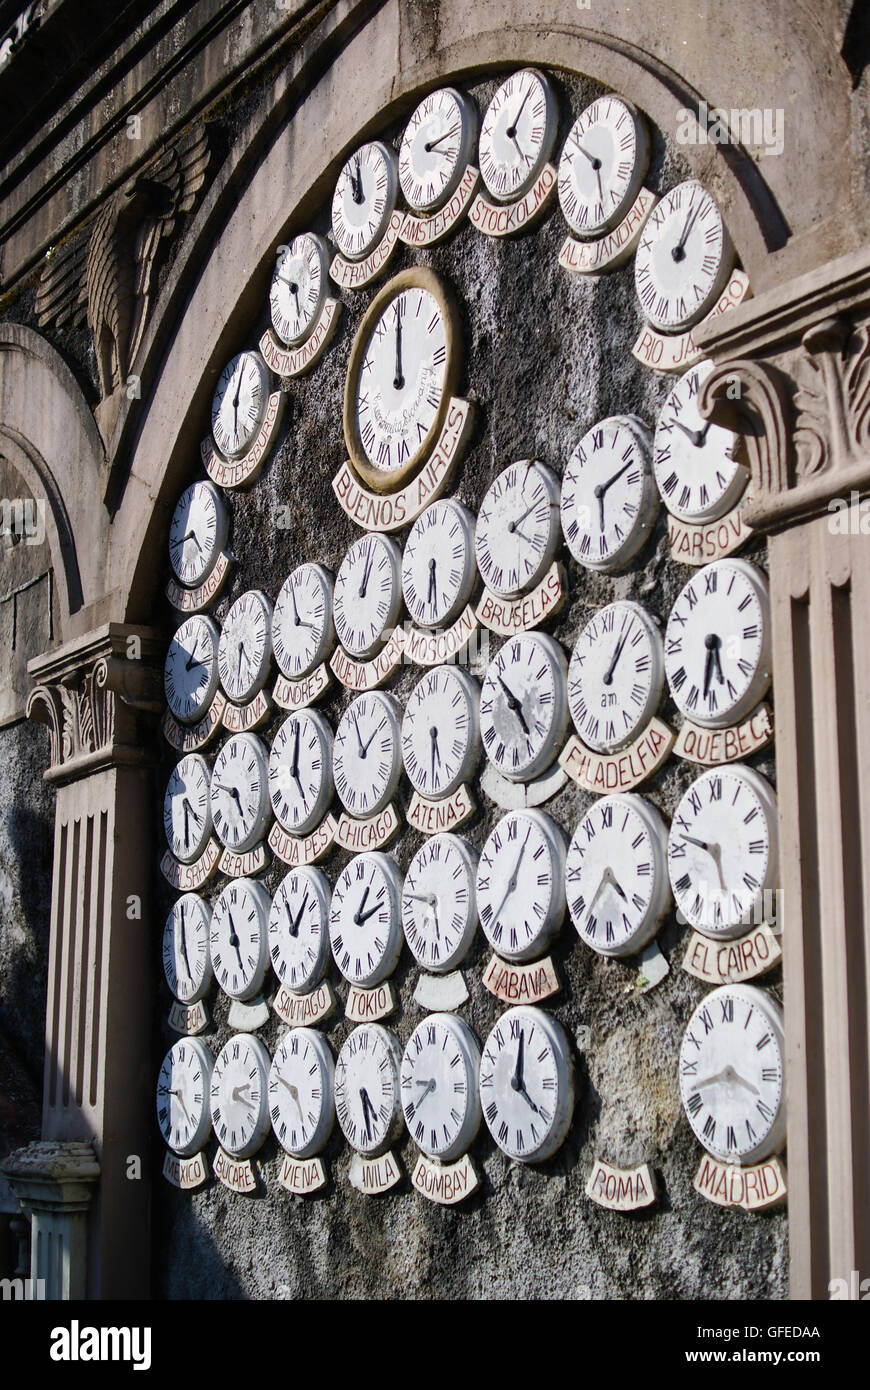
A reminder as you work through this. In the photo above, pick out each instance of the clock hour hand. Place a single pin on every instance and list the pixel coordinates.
(608, 675)
(356, 916)
(517, 1082)
(239, 1098)
(362, 917)
(515, 705)
(398, 380)
(294, 921)
(367, 1109)
(297, 621)
(180, 1098)
(294, 1094)
(730, 1077)
(192, 536)
(234, 940)
(433, 734)
(715, 853)
(431, 594)
(366, 746)
(697, 436)
(679, 251)
(433, 144)
(183, 941)
(430, 1086)
(192, 660)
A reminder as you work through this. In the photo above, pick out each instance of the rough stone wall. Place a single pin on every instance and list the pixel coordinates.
(547, 355)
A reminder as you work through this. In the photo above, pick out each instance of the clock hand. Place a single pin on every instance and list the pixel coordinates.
(182, 936)
(709, 643)
(514, 878)
(366, 1107)
(517, 1078)
(294, 766)
(366, 571)
(362, 917)
(433, 734)
(234, 940)
(180, 1098)
(356, 916)
(697, 436)
(231, 791)
(731, 1077)
(428, 898)
(429, 595)
(597, 168)
(608, 675)
(511, 131)
(192, 660)
(187, 807)
(294, 921)
(192, 536)
(593, 159)
(718, 663)
(433, 144)
(239, 1098)
(515, 706)
(398, 380)
(358, 739)
(294, 1094)
(297, 621)
(715, 853)
(367, 745)
(356, 183)
(184, 806)
(679, 252)
(415, 1104)
(515, 525)
(525, 1095)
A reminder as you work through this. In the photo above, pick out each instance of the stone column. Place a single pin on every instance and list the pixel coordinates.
(801, 360)
(98, 695)
(54, 1183)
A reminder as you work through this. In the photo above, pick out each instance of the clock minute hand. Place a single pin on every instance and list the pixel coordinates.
(430, 1086)
(362, 917)
(515, 705)
(731, 1077)
(679, 252)
(398, 380)
(608, 675)
(433, 144)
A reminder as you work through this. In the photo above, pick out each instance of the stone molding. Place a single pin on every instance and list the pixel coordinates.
(95, 695)
(793, 377)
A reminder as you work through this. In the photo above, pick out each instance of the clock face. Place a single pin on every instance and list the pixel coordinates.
(439, 1086)
(616, 875)
(717, 643)
(368, 594)
(186, 959)
(186, 809)
(723, 850)
(239, 405)
(299, 285)
(521, 884)
(302, 630)
(190, 675)
(696, 462)
(240, 1097)
(299, 929)
(436, 148)
(245, 648)
(518, 528)
(239, 940)
(616, 676)
(524, 706)
(197, 533)
(439, 903)
(403, 370)
(182, 1096)
(367, 1089)
(364, 922)
(732, 1075)
(518, 134)
(364, 199)
(602, 167)
(300, 1092)
(240, 809)
(300, 771)
(367, 754)
(527, 1084)
(438, 569)
(683, 259)
(441, 731)
(609, 500)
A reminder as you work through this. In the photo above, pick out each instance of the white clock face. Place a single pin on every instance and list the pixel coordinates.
(302, 630)
(683, 259)
(441, 731)
(609, 500)
(186, 958)
(732, 1075)
(521, 884)
(300, 1092)
(197, 533)
(439, 903)
(616, 875)
(527, 1084)
(186, 809)
(239, 405)
(400, 388)
(238, 940)
(364, 199)
(239, 1096)
(524, 706)
(300, 771)
(602, 166)
(298, 291)
(723, 854)
(299, 929)
(245, 648)
(367, 754)
(182, 1096)
(367, 1089)
(696, 462)
(518, 134)
(439, 1086)
(616, 676)
(368, 594)
(438, 568)
(190, 675)
(436, 148)
(518, 527)
(240, 809)
(364, 923)
(717, 643)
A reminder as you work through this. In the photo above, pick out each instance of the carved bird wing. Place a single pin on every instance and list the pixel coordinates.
(61, 299)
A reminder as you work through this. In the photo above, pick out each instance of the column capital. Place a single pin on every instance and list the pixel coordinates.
(53, 1176)
(792, 376)
(96, 695)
